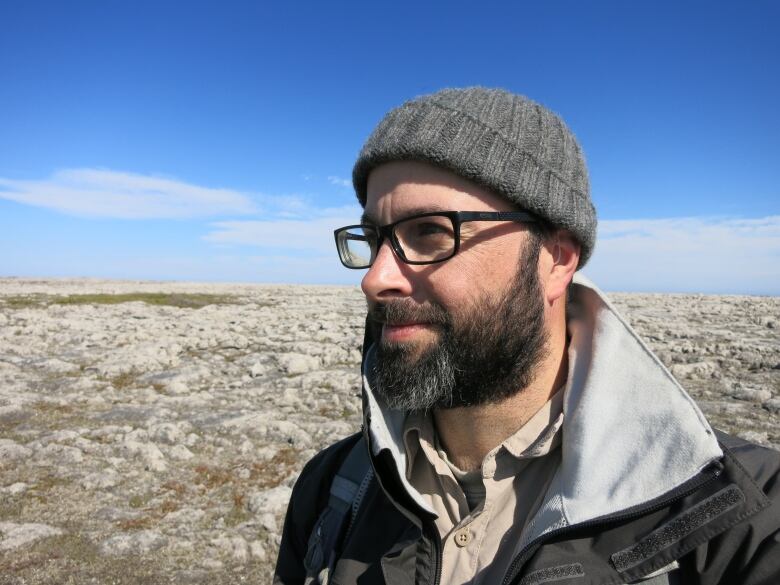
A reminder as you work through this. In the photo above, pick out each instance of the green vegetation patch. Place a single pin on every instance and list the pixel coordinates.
(68, 552)
(181, 300)
(24, 301)
(124, 380)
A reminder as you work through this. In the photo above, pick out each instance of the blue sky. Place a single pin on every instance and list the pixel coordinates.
(213, 140)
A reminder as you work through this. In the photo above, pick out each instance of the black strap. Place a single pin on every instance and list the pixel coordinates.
(346, 493)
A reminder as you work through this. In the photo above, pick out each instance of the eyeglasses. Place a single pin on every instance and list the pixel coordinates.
(426, 238)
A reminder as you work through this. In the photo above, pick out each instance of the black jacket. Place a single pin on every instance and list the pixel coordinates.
(645, 486)
(723, 527)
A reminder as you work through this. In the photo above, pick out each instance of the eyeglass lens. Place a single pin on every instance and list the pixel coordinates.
(357, 246)
(422, 239)
(426, 239)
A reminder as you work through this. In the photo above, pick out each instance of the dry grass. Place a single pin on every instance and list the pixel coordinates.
(180, 300)
(151, 518)
(124, 380)
(72, 550)
(331, 413)
(239, 512)
(53, 416)
(212, 476)
(74, 559)
(262, 475)
(51, 408)
(233, 483)
(271, 473)
(178, 488)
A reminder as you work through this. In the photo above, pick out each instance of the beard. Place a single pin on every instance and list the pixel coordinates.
(484, 354)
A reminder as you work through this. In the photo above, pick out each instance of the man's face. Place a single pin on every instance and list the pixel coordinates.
(466, 331)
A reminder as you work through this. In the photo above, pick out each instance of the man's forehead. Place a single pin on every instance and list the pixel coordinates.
(371, 216)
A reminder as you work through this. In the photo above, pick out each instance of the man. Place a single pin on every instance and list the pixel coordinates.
(518, 430)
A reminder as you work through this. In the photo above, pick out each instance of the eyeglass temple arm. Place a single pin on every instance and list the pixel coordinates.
(496, 216)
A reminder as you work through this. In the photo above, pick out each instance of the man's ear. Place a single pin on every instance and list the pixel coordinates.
(563, 253)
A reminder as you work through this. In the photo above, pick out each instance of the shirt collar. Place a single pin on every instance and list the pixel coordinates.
(537, 437)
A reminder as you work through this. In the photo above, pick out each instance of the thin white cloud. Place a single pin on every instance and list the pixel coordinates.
(116, 194)
(692, 254)
(313, 235)
(334, 180)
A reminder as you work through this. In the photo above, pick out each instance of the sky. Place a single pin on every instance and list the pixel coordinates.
(214, 141)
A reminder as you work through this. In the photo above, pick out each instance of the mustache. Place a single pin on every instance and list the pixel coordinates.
(407, 311)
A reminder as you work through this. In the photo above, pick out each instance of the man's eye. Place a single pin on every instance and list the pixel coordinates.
(431, 229)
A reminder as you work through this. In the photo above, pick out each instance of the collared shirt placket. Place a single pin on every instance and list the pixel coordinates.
(464, 532)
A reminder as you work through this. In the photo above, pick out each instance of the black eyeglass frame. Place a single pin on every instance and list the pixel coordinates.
(456, 217)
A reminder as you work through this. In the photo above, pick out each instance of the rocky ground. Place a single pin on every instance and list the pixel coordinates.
(151, 432)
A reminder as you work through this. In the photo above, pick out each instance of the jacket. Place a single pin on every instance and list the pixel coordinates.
(646, 492)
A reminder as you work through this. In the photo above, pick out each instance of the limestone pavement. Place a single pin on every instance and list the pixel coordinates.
(156, 440)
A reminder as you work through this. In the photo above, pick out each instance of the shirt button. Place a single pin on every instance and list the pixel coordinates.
(462, 537)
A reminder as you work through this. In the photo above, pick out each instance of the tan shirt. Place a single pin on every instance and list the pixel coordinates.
(479, 541)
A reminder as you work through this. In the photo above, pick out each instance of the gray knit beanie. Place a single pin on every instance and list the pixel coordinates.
(502, 141)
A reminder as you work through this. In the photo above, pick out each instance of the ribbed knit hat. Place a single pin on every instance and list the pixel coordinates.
(502, 141)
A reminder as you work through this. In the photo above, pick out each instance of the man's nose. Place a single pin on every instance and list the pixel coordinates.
(387, 277)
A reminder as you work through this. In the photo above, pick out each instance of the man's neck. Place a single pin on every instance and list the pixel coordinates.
(468, 434)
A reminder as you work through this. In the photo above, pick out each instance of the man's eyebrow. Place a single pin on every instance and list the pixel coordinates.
(367, 218)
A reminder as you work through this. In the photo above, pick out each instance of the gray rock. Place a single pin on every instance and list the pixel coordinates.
(17, 535)
(257, 369)
(296, 363)
(773, 405)
(212, 564)
(235, 547)
(12, 451)
(180, 453)
(15, 489)
(136, 543)
(177, 388)
(257, 551)
(185, 516)
(695, 371)
(57, 453)
(758, 395)
(149, 453)
(60, 436)
(761, 438)
(59, 366)
(270, 501)
(168, 433)
(101, 480)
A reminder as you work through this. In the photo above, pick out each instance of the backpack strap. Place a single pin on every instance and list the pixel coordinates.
(336, 520)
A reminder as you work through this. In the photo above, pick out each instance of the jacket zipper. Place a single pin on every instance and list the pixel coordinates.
(435, 537)
(437, 545)
(677, 494)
